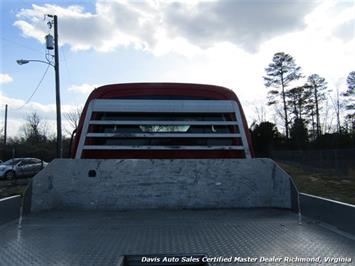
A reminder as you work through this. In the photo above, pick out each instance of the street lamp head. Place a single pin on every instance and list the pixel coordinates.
(22, 61)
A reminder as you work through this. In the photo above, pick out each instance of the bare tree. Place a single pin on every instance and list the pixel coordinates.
(260, 113)
(338, 106)
(35, 130)
(2, 135)
(73, 118)
(317, 86)
(328, 118)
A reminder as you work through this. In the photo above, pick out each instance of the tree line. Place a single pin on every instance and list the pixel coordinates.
(299, 107)
(35, 139)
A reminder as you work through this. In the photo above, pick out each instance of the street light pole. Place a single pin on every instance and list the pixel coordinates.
(57, 89)
(57, 82)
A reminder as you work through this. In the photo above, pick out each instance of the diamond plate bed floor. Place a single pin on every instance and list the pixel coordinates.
(100, 238)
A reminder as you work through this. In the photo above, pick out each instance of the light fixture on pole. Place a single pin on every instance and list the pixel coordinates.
(53, 46)
(22, 61)
(26, 61)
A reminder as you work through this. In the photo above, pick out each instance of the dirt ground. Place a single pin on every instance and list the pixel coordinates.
(323, 182)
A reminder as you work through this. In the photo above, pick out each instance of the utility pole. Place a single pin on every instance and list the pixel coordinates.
(57, 87)
(5, 127)
(57, 90)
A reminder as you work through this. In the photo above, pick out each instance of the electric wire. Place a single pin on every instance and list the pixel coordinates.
(37, 87)
(19, 44)
(66, 64)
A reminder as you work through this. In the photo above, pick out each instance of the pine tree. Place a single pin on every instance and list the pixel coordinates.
(317, 87)
(350, 97)
(299, 133)
(297, 100)
(279, 74)
(264, 135)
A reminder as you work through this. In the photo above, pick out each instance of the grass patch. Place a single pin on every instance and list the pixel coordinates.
(11, 191)
(11, 188)
(326, 183)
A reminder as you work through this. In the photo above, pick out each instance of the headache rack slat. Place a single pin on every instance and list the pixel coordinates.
(163, 123)
(156, 147)
(165, 106)
(160, 135)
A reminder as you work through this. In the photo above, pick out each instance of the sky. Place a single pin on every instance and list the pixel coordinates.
(224, 42)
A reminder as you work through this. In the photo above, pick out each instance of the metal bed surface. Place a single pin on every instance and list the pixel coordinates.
(100, 238)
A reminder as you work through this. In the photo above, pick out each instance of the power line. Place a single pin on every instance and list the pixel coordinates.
(19, 44)
(66, 64)
(38, 85)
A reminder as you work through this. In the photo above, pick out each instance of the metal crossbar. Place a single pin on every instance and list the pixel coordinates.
(160, 135)
(163, 123)
(162, 106)
(152, 147)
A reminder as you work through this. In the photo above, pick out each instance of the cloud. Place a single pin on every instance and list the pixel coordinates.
(346, 31)
(5, 78)
(163, 25)
(115, 23)
(83, 88)
(244, 23)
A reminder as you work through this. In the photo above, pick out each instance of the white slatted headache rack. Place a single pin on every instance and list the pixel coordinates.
(162, 125)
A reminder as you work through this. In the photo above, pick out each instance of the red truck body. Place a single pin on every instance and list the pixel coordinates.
(165, 92)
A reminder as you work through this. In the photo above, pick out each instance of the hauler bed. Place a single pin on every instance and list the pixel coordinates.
(160, 176)
(101, 238)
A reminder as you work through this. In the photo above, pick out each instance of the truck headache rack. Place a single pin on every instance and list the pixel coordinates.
(163, 125)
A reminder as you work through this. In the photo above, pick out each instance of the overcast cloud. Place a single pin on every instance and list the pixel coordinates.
(152, 24)
(346, 31)
(244, 23)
